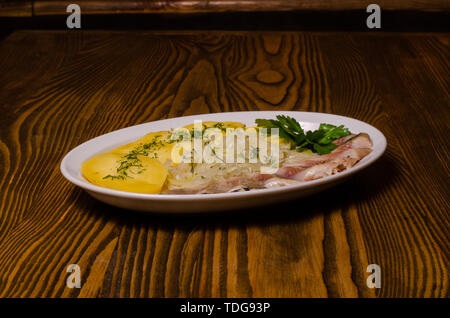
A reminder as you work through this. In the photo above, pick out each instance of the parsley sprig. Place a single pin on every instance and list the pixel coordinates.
(320, 140)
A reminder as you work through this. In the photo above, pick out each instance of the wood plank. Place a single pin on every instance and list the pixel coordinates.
(16, 8)
(60, 89)
(43, 7)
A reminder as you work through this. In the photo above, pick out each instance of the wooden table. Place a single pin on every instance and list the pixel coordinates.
(21, 8)
(59, 89)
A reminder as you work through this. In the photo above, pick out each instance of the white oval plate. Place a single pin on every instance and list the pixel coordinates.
(71, 165)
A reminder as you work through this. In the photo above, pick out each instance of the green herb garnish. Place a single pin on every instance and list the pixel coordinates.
(320, 140)
(219, 126)
(131, 159)
(120, 177)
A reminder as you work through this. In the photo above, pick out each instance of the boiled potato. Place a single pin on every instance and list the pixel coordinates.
(148, 177)
(160, 147)
(211, 124)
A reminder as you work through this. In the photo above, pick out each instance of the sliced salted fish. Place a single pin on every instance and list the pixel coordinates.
(276, 182)
(351, 151)
(234, 184)
(347, 160)
(290, 172)
(343, 140)
(361, 140)
(355, 142)
(295, 157)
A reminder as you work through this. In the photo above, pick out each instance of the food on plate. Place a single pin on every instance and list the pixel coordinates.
(218, 157)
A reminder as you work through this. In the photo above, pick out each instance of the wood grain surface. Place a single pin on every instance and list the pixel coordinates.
(61, 88)
(16, 8)
(45, 7)
(58, 7)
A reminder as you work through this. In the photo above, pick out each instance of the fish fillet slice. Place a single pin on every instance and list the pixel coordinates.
(350, 151)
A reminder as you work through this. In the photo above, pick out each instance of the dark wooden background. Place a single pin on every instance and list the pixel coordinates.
(61, 88)
(301, 15)
(19, 8)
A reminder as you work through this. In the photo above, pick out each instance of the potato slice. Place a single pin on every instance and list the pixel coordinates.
(212, 124)
(161, 147)
(148, 177)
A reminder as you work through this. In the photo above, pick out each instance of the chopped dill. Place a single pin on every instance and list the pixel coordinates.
(132, 161)
(220, 126)
(114, 177)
